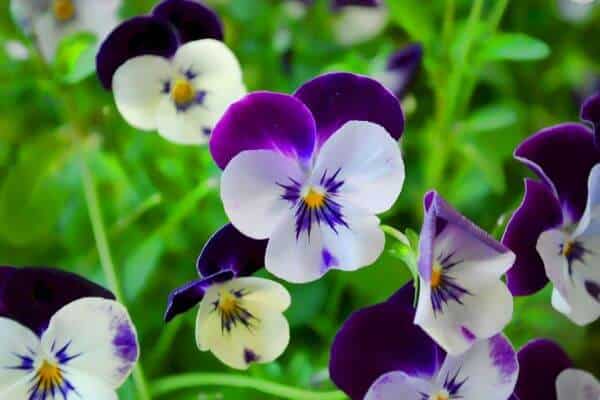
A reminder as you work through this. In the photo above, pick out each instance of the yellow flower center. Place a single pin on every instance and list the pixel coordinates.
(227, 302)
(314, 198)
(436, 275)
(183, 93)
(568, 248)
(441, 395)
(49, 376)
(63, 10)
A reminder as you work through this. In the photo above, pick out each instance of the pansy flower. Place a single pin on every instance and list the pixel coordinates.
(462, 298)
(555, 232)
(546, 373)
(310, 171)
(170, 72)
(52, 20)
(240, 317)
(401, 69)
(61, 336)
(379, 354)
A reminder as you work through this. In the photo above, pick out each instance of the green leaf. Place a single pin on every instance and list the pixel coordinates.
(489, 165)
(413, 17)
(140, 265)
(514, 47)
(308, 301)
(76, 57)
(490, 118)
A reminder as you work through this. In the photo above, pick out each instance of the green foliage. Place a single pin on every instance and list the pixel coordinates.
(494, 73)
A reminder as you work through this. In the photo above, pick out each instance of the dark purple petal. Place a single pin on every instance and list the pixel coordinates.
(438, 214)
(184, 298)
(563, 156)
(381, 339)
(539, 211)
(337, 4)
(31, 296)
(135, 37)
(405, 65)
(228, 249)
(337, 98)
(191, 20)
(590, 112)
(264, 120)
(540, 363)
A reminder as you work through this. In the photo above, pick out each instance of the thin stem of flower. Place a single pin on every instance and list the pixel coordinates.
(189, 381)
(396, 234)
(95, 213)
(448, 25)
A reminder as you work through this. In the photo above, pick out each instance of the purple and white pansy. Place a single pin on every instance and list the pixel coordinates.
(401, 69)
(49, 21)
(379, 354)
(556, 231)
(171, 72)
(462, 298)
(240, 318)
(310, 171)
(70, 339)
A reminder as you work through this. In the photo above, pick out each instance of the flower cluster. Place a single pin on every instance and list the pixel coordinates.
(61, 336)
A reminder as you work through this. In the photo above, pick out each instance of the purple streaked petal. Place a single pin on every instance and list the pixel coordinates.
(135, 37)
(381, 339)
(539, 211)
(473, 241)
(191, 20)
(590, 112)
(405, 65)
(228, 249)
(264, 121)
(31, 296)
(540, 363)
(563, 156)
(337, 4)
(337, 98)
(189, 295)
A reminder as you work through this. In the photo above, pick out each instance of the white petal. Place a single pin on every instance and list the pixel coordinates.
(295, 259)
(589, 225)
(213, 63)
(48, 34)
(370, 164)
(573, 384)
(19, 390)
(251, 194)
(357, 24)
(101, 333)
(138, 88)
(89, 387)
(15, 340)
(489, 370)
(267, 334)
(97, 17)
(483, 313)
(398, 385)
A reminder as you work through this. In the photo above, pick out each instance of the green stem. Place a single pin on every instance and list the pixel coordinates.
(396, 234)
(95, 213)
(448, 25)
(189, 381)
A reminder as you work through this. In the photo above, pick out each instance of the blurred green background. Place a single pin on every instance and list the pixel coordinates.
(494, 72)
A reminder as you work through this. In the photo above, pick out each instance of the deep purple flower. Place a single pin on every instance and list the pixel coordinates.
(590, 112)
(309, 172)
(402, 69)
(462, 298)
(555, 232)
(171, 24)
(379, 354)
(61, 334)
(240, 317)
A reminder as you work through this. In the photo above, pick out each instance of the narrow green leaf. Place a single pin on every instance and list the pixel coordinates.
(514, 47)
(76, 57)
(140, 265)
(490, 118)
(413, 17)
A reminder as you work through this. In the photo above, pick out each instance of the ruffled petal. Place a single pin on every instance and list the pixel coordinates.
(337, 98)
(252, 192)
(31, 296)
(563, 157)
(94, 337)
(573, 384)
(192, 20)
(534, 382)
(264, 121)
(138, 86)
(539, 211)
(398, 385)
(367, 161)
(136, 37)
(489, 370)
(382, 339)
(18, 349)
(402, 69)
(253, 331)
(89, 387)
(208, 60)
